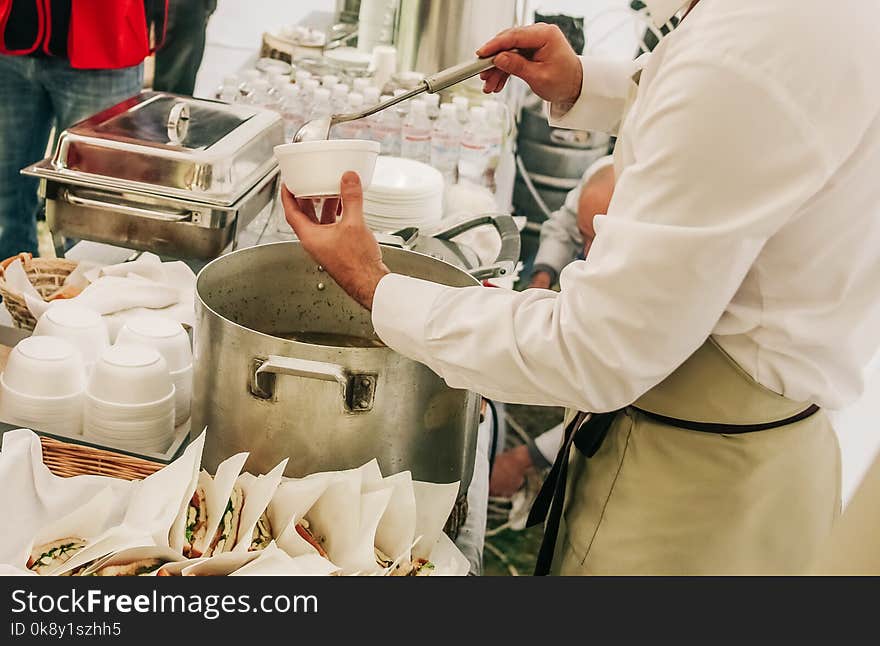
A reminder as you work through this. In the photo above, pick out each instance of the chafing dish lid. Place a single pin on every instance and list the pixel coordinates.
(169, 145)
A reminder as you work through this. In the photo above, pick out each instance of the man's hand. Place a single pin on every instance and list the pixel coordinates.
(346, 249)
(509, 472)
(545, 61)
(541, 280)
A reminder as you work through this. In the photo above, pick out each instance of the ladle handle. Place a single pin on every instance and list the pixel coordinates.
(449, 77)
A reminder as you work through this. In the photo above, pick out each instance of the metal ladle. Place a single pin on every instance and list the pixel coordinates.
(318, 129)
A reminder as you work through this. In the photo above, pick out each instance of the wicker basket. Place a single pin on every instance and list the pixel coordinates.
(67, 460)
(46, 274)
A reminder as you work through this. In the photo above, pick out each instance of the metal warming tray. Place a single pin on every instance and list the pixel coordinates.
(164, 173)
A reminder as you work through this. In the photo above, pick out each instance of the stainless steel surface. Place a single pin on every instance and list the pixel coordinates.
(533, 126)
(245, 300)
(557, 161)
(169, 145)
(163, 173)
(433, 35)
(168, 226)
(318, 129)
(440, 243)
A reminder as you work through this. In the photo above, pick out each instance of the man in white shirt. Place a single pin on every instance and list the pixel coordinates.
(733, 288)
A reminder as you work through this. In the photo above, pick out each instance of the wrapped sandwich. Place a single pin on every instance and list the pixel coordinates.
(47, 557)
(262, 534)
(196, 523)
(227, 531)
(304, 530)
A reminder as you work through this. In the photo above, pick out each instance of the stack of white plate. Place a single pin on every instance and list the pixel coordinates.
(403, 193)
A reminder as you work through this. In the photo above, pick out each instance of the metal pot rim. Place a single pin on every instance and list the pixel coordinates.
(356, 352)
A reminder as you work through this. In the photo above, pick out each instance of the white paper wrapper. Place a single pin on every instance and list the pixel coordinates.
(40, 497)
(258, 491)
(396, 531)
(86, 522)
(18, 281)
(217, 491)
(176, 568)
(292, 500)
(361, 557)
(135, 554)
(156, 503)
(448, 559)
(9, 570)
(114, 540)
(273, 561)
(336, 516)
(434, 503)
(219, 565)
(177, 535)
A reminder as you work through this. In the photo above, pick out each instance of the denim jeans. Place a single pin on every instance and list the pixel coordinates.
(35, 94)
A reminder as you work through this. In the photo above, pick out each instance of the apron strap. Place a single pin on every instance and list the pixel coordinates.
(587, 432)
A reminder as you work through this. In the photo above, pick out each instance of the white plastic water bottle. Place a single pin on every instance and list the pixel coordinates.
(371, 98)
(306, 98)
(474, 156)
(228, 91)
(432, 105)
(290, 111)
(387, 130)
(320, 104)
(461, 106)
(415, 136)
(339, 98)
(245, 87)
(445, 143)
(360, 85)
(495, 114)
(352, 129)
(264, 95)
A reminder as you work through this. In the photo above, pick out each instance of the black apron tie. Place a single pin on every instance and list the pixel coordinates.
(587, 432)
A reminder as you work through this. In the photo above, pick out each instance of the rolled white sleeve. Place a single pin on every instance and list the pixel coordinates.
(607, 86)
(710, 185)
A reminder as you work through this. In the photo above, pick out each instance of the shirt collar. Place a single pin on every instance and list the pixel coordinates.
(662, 10)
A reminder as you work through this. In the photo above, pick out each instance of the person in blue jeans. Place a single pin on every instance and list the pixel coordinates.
(41, 87)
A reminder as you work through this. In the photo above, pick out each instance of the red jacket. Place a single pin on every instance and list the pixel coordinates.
(91, 34)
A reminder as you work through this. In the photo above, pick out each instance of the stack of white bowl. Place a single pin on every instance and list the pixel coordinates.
(68, 379)
(129, 400)
(403, 193)
(172, 342)
(82, 327)
(42, 386)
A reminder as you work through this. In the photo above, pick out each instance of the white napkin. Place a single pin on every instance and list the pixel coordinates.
(40, 497)
(155, 506)
(258, 491)
(129, 289)
(434, 503)
(17, 280)
(273, 561)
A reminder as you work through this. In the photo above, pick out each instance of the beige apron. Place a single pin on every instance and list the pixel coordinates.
(656, 499)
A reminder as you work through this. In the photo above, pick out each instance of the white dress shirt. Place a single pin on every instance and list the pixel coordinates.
(747, 207)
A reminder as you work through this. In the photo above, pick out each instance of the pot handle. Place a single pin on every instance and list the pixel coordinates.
(510, 242)
(358, 390)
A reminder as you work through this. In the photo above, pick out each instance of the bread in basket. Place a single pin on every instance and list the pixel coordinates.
(47, 275)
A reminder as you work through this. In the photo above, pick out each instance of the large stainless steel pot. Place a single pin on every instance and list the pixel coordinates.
(321, 406)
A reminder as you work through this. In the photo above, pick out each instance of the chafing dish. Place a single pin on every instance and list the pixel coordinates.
(164, 173)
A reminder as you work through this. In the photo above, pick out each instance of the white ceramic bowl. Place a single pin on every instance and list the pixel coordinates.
(130, 374)
(84, 328)
(45, 366)
(51, 414)
(163, 334)
(315, 168)
(183, 380)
